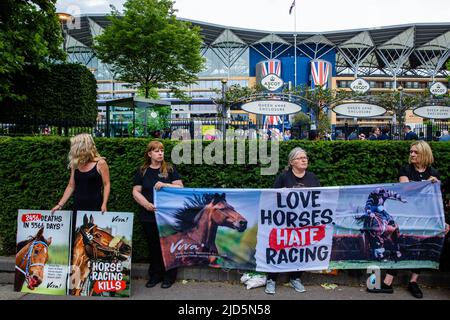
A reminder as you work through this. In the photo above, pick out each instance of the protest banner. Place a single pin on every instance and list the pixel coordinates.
(101, 254)
(42, 259)
(295, 229)
(397, 225)
(90, 256)
(404, 231)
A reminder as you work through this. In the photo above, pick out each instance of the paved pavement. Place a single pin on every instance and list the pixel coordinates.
(196, 300)
(207, 290)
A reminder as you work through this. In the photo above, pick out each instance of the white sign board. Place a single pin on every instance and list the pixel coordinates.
(359, 110)
(360, 86)
(271, 107)
(438, 89)
(272, 82)
(433, 112)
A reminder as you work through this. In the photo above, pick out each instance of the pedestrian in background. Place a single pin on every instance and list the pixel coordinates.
(409, 135)
(385, 133)
(374, 133)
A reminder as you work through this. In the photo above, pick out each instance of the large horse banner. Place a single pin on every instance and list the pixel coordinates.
(59, 256)
(397, 225)
(42, 259)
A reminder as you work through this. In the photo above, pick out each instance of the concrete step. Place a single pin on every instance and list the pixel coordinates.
(432, 278)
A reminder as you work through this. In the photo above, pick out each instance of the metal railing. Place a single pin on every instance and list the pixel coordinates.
(122, 128)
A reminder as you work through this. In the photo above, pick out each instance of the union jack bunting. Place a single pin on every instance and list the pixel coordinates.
(272, 121)
(271, 67)
(321, 73)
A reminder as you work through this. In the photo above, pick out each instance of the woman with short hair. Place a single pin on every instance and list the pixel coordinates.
(296, 176)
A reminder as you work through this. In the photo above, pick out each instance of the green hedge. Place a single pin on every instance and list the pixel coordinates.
(34, 174)
(65, 92)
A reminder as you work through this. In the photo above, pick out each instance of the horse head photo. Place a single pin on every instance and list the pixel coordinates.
(93, 243)
(196, 226)
(31, 257)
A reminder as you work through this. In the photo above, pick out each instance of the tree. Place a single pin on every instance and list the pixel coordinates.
(399, 102)
(149, 120)
(301, 120)
(149, 48)
(235, 95)
(317, 101)
(60, 95)
(30, 34)
(448, 69)
(152, 94)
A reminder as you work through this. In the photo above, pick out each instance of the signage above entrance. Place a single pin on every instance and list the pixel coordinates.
(433, 112)
(360, 86)
(272, 82)
(359, 110)
(268, 74)
(438, 89)
(271, 107)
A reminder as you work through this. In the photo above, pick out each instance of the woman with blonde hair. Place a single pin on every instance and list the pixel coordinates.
(89, 174)
(419, 169)
(154, 173)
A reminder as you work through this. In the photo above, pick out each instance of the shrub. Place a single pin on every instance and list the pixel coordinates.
(62, 93)
(34, 174)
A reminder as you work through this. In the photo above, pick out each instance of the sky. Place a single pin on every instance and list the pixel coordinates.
(273, 15)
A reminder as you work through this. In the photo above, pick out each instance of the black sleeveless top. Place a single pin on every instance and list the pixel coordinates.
(88, 190)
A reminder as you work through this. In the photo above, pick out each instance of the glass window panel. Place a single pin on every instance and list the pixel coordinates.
(216, 67)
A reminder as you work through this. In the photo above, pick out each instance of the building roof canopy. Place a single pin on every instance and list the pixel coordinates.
(385, 40)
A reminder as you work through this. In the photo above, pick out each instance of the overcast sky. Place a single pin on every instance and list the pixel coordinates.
(273, 15)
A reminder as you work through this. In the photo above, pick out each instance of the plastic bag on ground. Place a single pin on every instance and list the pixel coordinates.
(253, 280)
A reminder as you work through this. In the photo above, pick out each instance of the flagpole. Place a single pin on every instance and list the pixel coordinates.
(295, 47)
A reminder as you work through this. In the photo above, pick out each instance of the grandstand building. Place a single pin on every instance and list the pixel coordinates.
(411, 56)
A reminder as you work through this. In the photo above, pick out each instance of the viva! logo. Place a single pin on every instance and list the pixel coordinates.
(109, 286)
(295, 237)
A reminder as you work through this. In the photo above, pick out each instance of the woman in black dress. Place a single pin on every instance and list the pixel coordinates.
(154, 173)
(89, 177)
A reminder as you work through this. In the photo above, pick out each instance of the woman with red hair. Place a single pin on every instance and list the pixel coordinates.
(154, 173)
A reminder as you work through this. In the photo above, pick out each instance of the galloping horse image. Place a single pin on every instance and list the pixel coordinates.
(31, 257)
(378, 226)
(92, 243)
(196, 226)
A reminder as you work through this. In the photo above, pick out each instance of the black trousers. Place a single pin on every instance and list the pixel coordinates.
(156, 268)
(292, 275)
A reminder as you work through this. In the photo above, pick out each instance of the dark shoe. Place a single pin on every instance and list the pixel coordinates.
(384, 289)
(153, 282)
(166, 284)
(413, 287)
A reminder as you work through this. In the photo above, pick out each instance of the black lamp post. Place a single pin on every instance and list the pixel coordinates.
(224, 108)
(400, 108)
(63, 18)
